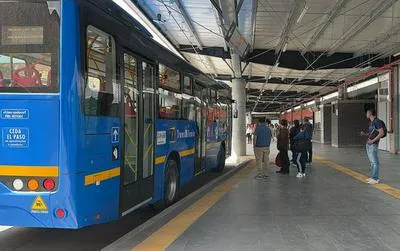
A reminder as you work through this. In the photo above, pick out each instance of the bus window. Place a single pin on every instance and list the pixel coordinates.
(102, 90)
(29, 46)
(170, 104)
(188, 107)
(169, 98)
(169, 78)
(187, 85)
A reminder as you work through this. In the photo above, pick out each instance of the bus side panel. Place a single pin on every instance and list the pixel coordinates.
(98, 179)
(174, 136)
(212, 146)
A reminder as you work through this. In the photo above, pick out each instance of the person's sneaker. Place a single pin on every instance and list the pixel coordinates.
(373, 182)
(368, 180)
(304, 175)
(265, 176)
(259, 177)
(299, 175)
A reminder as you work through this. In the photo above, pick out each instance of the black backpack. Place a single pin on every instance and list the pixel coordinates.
(384, 129)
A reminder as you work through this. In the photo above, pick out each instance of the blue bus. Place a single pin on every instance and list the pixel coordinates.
(96, 118)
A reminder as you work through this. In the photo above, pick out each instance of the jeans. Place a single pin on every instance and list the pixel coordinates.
(372, 152)
(262, 159)
(309, 153)
(301, 158)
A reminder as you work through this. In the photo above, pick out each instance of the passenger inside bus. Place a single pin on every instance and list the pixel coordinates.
(25, 73)
(129, 106)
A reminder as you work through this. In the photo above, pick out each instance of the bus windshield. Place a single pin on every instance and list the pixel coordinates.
(29, 46)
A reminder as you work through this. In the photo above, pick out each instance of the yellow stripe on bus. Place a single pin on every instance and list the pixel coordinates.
(160, 160)
(29, 171)
(187, 152)
(101, 176)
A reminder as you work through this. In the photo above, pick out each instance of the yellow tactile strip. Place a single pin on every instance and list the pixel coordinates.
(166, 235)
(361, 177)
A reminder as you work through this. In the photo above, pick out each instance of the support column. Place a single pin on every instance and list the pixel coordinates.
(239, 123)
(239, 95)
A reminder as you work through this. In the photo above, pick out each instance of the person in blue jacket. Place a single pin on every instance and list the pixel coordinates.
(300, 146)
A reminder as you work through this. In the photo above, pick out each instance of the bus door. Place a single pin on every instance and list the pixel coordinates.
(138, 120)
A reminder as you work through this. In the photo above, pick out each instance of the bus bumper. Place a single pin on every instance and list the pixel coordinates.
(27, 209)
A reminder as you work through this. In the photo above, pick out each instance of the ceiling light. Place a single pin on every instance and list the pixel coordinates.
(305, 9)
(134, 12)
(285, 47)
(366, 68)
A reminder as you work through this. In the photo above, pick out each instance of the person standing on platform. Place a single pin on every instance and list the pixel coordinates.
(376, 131)
(283, 147)
(249, 133)
(308, 127)
(261, 143)
(300, 146)
(292, 133)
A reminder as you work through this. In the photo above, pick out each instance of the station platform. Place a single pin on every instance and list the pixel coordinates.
(332, 208)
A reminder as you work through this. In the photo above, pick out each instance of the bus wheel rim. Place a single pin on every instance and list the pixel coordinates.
(172, 184)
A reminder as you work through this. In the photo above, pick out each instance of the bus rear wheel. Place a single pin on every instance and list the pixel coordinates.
(221, 159)
(171, 186)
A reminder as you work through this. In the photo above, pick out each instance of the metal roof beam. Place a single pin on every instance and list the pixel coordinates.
(189, 23)
(293, 59)
(324, 23)
(276, 87)
(295, 12)
(238, 7)
(361, 23)
(379, 40)
(253, 24)
(221, 30)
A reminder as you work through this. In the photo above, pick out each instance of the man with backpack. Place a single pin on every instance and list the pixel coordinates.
(376, 131)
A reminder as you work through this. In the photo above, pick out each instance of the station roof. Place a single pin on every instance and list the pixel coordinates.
(296, 49)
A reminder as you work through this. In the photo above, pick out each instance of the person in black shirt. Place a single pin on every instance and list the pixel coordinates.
(375, 132)
(293, 132)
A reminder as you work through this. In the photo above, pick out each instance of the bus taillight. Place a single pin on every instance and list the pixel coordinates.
(49, 184)
(60, 213)
(33, 184)
(18, 184)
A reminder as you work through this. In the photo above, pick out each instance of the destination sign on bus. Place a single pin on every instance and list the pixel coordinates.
(22, 35)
